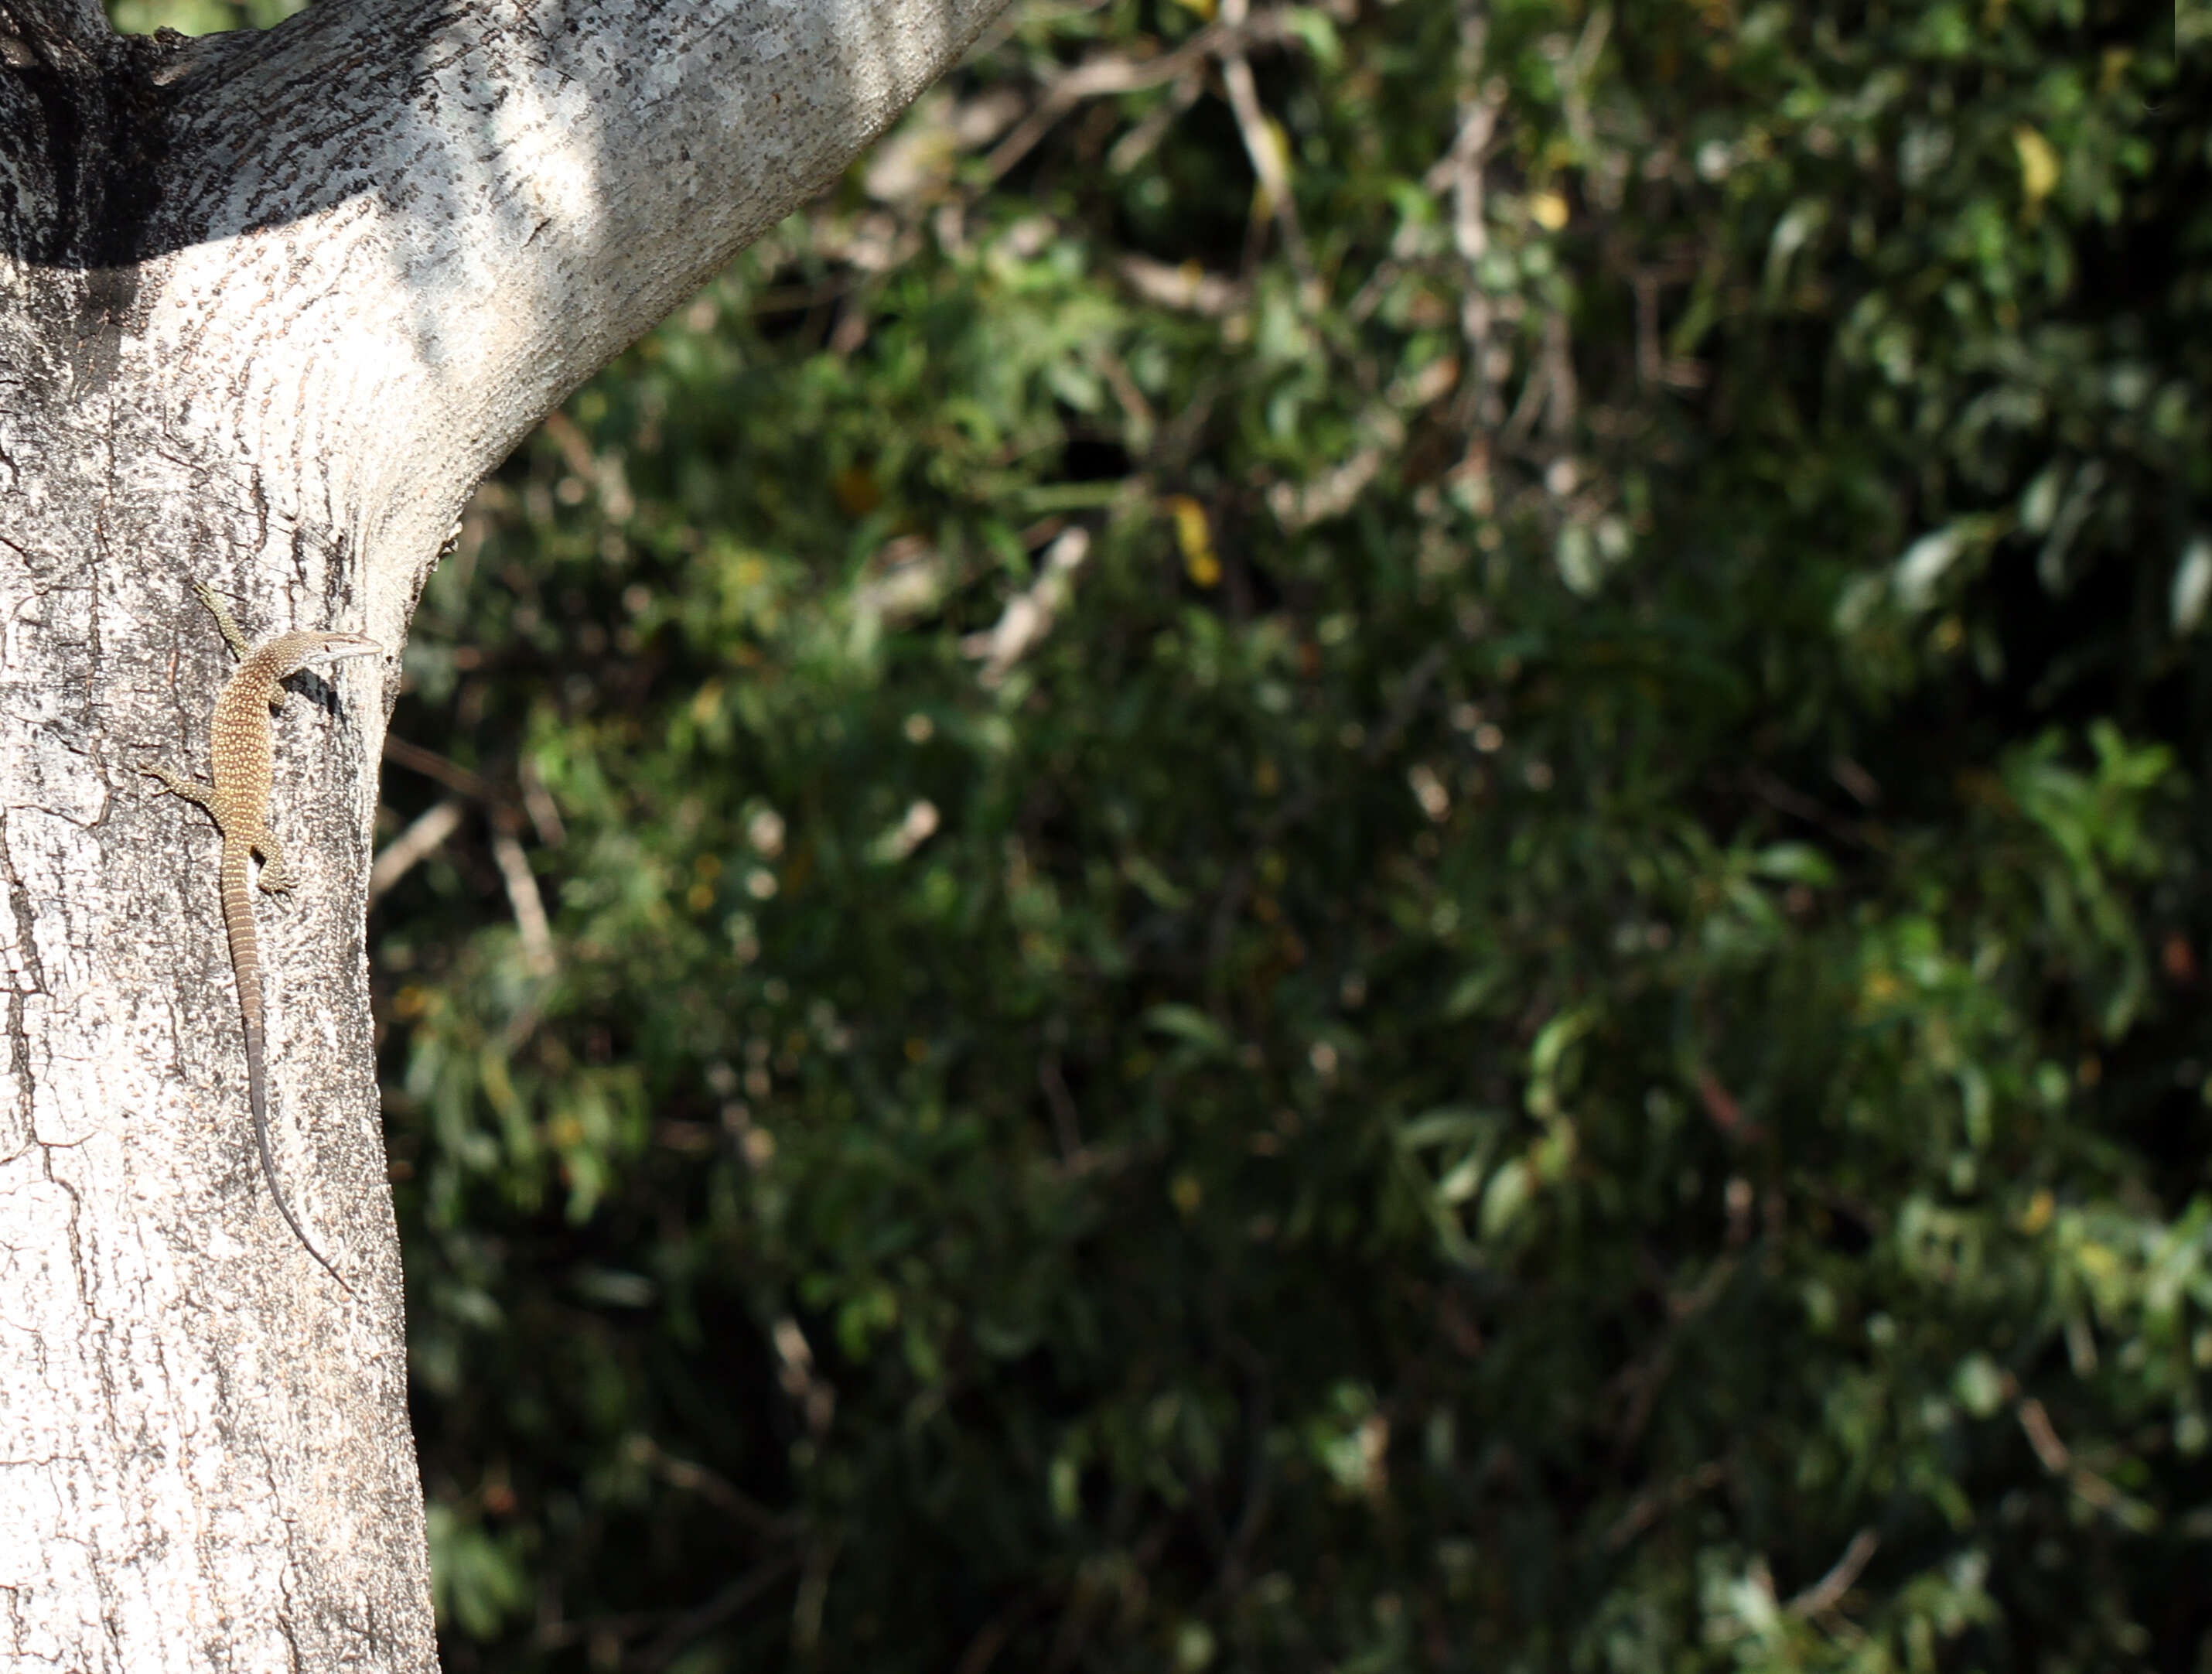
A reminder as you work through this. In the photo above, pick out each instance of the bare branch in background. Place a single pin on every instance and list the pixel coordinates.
(417, 843)
(1331, 494)
(1575, 78)
(1264, 144)
(1091, 79)
(505, 817)
(1559, 378)
(908, 578)
(1187, 286)
(1133, 146)
(1462, 170)
(1027, 616)
(1550, 392)
(1650, 1506)
(1106, 75)
(432, 766)
(537, 802)
(2059, 1460)
(1827, 1592)
(528, 905)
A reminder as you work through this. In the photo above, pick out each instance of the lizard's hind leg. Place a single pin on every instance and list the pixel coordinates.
(274, 878)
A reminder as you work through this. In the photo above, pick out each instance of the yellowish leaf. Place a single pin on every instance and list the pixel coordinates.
(2039, 164)
(1195, 539)
(856, 489)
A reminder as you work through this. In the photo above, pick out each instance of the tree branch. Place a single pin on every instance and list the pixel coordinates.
(401, 233)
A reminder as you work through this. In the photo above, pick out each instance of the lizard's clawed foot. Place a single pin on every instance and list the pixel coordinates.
(191, 791)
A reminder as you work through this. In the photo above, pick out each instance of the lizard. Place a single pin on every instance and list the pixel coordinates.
(240, 745)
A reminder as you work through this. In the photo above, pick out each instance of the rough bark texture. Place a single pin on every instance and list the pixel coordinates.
(270, 306)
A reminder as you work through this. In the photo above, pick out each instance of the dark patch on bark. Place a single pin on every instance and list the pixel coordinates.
(97, 141)
(91, 128)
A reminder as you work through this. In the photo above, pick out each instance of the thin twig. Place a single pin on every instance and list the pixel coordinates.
(432, 766)
(528, 905)
(1066, 1127)
(813, 1591)
(1825, 1594)
(1461, 166)
(1523, 417)
(537, 802)
(1558, 377)
(2058, 1459)
(417, 843)
(1186, 286)
(1265, 149)
(717, 1490)
(1027, 616)
(1640, 1381)
(983, 1650)
(558, 1635)
(695, 1624)
(1133, 146)
(1650, 1506)
(1787, 799)
(1099, 77)
(1229, 1581)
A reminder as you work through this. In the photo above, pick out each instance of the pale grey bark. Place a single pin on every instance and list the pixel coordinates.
(270, 306)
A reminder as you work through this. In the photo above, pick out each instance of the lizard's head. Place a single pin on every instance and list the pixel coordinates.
(288, 654)
(331, 648)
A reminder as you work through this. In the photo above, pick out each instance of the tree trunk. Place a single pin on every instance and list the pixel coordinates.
(270, 305)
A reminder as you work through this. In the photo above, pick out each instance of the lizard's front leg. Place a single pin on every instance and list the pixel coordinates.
(233, 636)
(224, 620)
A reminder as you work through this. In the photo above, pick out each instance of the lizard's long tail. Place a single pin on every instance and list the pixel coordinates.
(245, 960)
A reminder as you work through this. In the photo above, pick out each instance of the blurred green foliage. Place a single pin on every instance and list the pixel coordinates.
(1451, 923)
